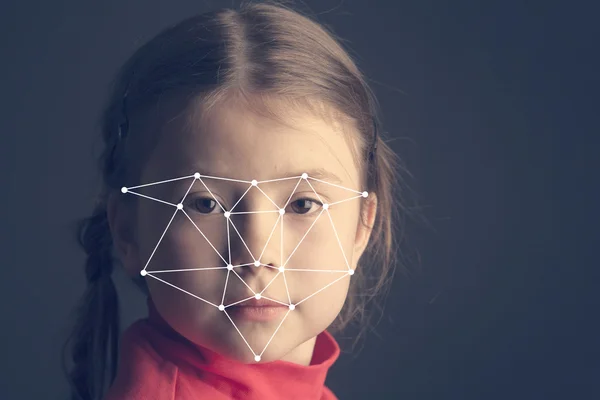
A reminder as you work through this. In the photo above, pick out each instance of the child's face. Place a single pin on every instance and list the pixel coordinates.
(237, 144)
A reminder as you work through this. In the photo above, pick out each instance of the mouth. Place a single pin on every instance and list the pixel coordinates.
(259, 309)
(259, 303)
(261, 313)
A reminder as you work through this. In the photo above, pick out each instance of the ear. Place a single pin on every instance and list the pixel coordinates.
(363, 233)
(121, 224)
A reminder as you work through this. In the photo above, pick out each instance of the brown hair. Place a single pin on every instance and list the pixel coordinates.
(260, 51)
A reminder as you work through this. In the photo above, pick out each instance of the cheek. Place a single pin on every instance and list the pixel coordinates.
(328, 245)
(186, 244)
(317, 271)
(323, 307)
(322, 247)
(183, 247)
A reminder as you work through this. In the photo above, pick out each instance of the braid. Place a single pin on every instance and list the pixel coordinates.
(97, 315)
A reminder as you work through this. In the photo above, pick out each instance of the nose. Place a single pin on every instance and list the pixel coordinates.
(255, 236)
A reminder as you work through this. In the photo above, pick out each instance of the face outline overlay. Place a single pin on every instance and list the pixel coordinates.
(249, 209)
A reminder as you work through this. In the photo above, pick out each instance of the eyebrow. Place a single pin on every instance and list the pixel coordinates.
(316, 173)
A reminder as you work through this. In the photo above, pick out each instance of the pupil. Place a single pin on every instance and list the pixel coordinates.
(203, 202)
(304, 201)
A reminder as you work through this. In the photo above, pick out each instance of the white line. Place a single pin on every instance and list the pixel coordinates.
(313, 224)
(213, 196)
(184, 270)
(269, 284)
(238, 302)
(152, 198)
(333, 184)
(275, 204)
(254, 212)
(280, 179)
(237, 266)
(341, 277)
(316, 194)
(293, 191)
(223, 179)
(240, 236)
(270, 236)
(314, 270)
(228, 240)
(225, 288)
(244, 282)
(242, 265)
(228, 220)
(188, 190)
(159, 240)
(341, 201)
(287, 290)
(338, 239)
(184, 291)
(219, 254)
(274, 333)
(240, 199)
(156, 183)
(276, 301)
(236, 328)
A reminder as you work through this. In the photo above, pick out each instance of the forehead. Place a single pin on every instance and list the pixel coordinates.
(234, 142)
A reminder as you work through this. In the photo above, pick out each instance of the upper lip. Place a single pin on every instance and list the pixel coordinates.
(259, 303)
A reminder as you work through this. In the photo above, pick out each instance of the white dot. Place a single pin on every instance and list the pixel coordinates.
(124, 189)
(257, 263)
(257, 296)
(325, 206)
(221, 307)
(257, 358)
(304, 175)
(197, 175)
(143, 272)
(254, 182)
(227, 214)
(292, 307)
(351, 271)
(365, 194)
(282, 211)
(230, 267)
(280, 269)
(180, 206)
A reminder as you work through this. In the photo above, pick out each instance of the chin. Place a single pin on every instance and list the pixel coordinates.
(243, 354)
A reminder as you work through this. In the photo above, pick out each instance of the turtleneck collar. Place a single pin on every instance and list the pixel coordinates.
(213, 371)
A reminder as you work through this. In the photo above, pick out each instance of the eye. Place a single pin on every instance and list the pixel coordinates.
(305, 204)
(204, 205)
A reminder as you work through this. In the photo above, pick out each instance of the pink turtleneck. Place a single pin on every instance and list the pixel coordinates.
(156, 364)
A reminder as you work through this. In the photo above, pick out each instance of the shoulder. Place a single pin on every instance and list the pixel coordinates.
(142, 373)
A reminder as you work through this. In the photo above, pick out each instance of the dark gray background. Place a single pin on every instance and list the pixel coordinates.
(495, 104)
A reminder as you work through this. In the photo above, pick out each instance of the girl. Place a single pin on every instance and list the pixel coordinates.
(219, 100)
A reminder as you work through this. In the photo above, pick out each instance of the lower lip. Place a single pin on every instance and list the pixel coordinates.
(258, 313)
